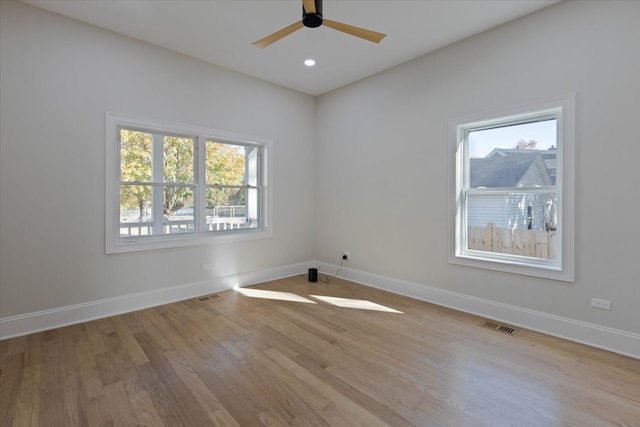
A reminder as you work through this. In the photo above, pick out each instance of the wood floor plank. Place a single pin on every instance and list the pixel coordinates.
(98, 411)
(239, 380)
(114, 365)
(216, 411)
(15, 346)
(176, 338)
(51, 371)
(27, 409)
(163, 382)
(52, 408)
(354, 412)
(119, 405)
(129, 343)
(144, 409)
(91, 384)
(233, 403)
(286, 395)
(309, 354)
(95, 335)
(382, 410)
(167, 408)
(10, 376)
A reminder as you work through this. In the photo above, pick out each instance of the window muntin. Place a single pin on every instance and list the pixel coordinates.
(498, 163)
(510, 205)
(156, 183)
(502, 158)
(174, 182)
(232, 190)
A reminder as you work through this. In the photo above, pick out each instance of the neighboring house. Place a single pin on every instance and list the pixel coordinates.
(512, 168)
(548, 156)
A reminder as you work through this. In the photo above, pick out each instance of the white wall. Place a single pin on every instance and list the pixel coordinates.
(383, 163)
(58, 79)
(379, 173)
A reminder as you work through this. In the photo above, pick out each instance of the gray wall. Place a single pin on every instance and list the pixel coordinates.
(377, 165)
(58, 79)
(382, 147)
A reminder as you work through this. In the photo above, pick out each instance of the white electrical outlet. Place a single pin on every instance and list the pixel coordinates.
(604, 304)
(206, 267)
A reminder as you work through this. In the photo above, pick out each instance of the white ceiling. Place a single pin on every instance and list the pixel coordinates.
(221, 32)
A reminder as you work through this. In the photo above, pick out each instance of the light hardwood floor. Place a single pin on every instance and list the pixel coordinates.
(277, 354)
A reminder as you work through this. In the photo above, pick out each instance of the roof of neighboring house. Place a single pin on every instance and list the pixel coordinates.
(506, 169)
(546, 154)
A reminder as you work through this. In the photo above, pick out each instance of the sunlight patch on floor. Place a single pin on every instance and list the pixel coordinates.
(355, 303)
(277, 295)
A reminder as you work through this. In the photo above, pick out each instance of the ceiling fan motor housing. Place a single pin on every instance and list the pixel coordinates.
(313, 20)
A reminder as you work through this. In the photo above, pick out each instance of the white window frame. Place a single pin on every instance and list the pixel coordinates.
(116, 244)
(563, 110)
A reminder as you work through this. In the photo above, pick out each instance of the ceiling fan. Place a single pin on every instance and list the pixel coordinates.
(312, 18)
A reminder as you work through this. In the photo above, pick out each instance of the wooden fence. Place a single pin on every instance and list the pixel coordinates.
(531, 243)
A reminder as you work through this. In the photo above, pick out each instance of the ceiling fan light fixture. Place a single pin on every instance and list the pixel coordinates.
(312, 20)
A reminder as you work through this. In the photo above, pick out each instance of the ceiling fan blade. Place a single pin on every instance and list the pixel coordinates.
(309, 6)
(272, 38)
(363, 33)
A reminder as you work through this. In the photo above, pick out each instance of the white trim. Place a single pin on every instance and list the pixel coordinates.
(615, 340)
(62, 316)
(618, 341)
(115, 245)
(564, 270)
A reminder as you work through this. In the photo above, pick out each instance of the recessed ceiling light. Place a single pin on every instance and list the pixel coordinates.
(309, 62)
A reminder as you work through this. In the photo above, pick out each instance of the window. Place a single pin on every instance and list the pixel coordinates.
(512, 186)
(175, 185)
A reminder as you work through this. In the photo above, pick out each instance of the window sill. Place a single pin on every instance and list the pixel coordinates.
(177, 241)
(514, 267)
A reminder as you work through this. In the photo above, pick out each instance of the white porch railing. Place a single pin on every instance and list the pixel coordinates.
(134, 229)
(218, 218)
(217, 224)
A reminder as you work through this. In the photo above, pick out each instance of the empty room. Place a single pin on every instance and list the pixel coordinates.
(308, 213)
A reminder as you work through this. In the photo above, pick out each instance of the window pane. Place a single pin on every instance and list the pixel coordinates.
(225, 163)
(172, 184)
(513, 223)
(177, 159)
(521, 155)
(251, 154)
(178, 215)
(135, 156)
(231, 208)
(253, 207)
(137, 216)
(176, 199)
(135, 210)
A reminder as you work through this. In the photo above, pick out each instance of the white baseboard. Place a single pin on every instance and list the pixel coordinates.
(618, 341)
(62, 316)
